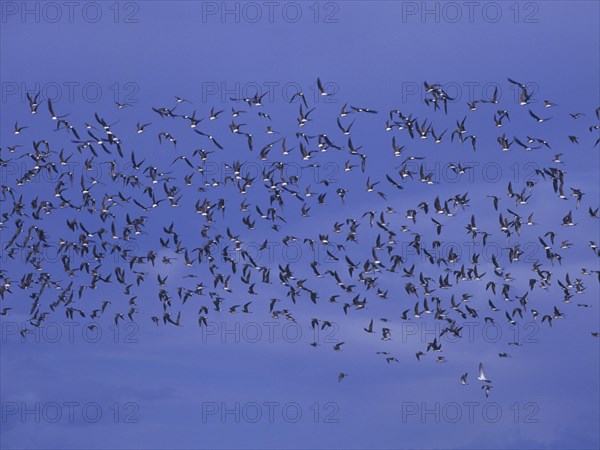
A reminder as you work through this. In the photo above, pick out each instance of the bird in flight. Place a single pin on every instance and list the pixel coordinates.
(204, 221)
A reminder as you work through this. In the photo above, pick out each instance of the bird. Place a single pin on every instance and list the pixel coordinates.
(482, 376)
(18, 129)
(321, 88)
(487, 388)
(537, 118)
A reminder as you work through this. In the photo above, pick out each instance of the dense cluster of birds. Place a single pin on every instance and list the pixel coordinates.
(116, 212)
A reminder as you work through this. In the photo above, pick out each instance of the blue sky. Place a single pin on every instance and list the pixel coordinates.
(187, 387)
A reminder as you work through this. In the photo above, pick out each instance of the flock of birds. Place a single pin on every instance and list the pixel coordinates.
(96, 219)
